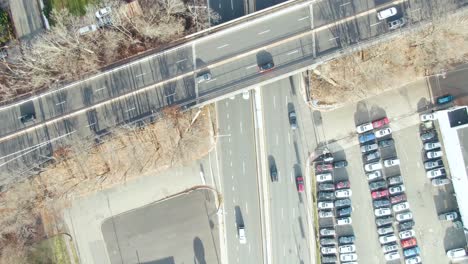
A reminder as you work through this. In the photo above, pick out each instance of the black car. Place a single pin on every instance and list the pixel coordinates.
(340, 164)
(381, 203)
(293, 119)
(326, 196)
(406, 225)
(326, 157)
(386, 220)
(346, 240)
(273, 173)
(346, 211)
(28, 117)
(428, 135)
(377, 185)
(266, 67)
(326, 187)
(342, 202)
(386, 143)
(329, 259)
(327, 241)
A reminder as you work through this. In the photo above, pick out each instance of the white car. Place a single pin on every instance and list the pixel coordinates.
(431, 145)
(348, 257)
(203, 77)
(428, 117)
(391, 162)
(347, 249)
(440, 181)
(103, 12)
(325, 205)
(456, 253)
(344, 221)
(382, 212)
(435, 173)
(364, 128)
(324, 177)
(383, 132)
(404, 216)
(373, 166)
(87, 29)
(434, 154)
(387, 239)
(325, 214)
(328, 250)
(406, 234)
(343, 193)
(413, 260)
(374, 175)
(390, 248)
(392, 256)
(396, 189)
(386, 13)
(384, 230)
(242, 237)
(400, 207)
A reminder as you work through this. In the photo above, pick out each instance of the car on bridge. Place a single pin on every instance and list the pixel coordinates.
(266, 66)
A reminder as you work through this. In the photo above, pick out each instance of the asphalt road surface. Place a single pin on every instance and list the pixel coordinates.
(89, 108)
(180, 230)
(238, 170)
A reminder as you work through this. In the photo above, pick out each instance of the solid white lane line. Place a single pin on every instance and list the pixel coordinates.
(243, 167)
(274, 101)
(345, 4)
(302, 18)
(263, 32)
(179, 61)
(375, 24)
(222, 46)
(251, 66)
(61, 103)
(293, 52)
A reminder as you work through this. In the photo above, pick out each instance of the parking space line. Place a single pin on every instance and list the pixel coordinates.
(375, 24)
(263, 32)
(302, 18)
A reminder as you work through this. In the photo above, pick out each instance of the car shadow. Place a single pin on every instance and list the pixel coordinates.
(264, 57)
(238, 215)
(199, 251)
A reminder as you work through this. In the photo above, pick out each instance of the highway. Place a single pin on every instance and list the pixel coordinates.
(238, 170)
(90, 108)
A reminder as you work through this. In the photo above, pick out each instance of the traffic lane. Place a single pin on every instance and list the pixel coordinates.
(239, 180)
(251, 35)
(262, 4)
(326, 12)
(227, 9)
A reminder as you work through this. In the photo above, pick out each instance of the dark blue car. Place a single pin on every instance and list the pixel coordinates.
(366, 137)
(411, 252)
(444, 99)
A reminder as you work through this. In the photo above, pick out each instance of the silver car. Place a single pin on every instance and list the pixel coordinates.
(203, 77)
(398, 23)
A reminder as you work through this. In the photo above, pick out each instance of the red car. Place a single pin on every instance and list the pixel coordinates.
(342, 185)
(407, 243)
(300, 183)
(380, 123)
(379, 194)
(324, 167)
(398, 198)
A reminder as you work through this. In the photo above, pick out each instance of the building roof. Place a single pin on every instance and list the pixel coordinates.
(458, 117)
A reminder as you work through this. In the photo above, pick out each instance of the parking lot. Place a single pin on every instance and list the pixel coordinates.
(426, 201)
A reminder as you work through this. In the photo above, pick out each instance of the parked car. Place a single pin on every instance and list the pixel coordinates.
(449, 216)
(369, 147)
(327, 232)
(428, 135)
(386, 143)
(406, 234)
(400, 207)
(394, 180)
(325, 205)
(342, 185)
(398, 198)
(410, 252)
(293, 120)
(380, 122)
(456, 253)
(326, 196)
(444, 99)
(369, 136)
(327, 241)
(391, 162)
(324, 177)
(326, 187)
(379, 194)
(325, 157)
(428, 117)
(342, 202)
(374, 175)
(387, 239)
(401, 217)
(328, 250)
(346, 240)
(440, 182)
(383, 132)
(436, 173)
(432, 145)
(373, 156)
(373, 166)
(347, 249)
(407, 243)
(383, 221)
(386, 13)
(406, 225)
(377, 185)
(329, 259)
(343, 193)
(434, 154)
(87, 29)
(241, 232)
(397, 23)
(103, 12)
(203, 77)
(321, 167)
(381, 203)
(364, 128)
(268, 66)
(300, 184)
(28, 118)
(384, 230)
(392, 256)
(382, 212)
(413, 260)
(344, 221)
(348, 257)
(390, 247)
(345, 211)
(340, 164)
(432, 164)
(273, 172)
(396, 189)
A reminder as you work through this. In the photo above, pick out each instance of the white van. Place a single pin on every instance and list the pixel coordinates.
(386, 13)
(242, 237)
(456, 253)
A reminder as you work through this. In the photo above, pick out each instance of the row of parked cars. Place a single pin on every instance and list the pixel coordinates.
(334, 201)
(388, 193)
